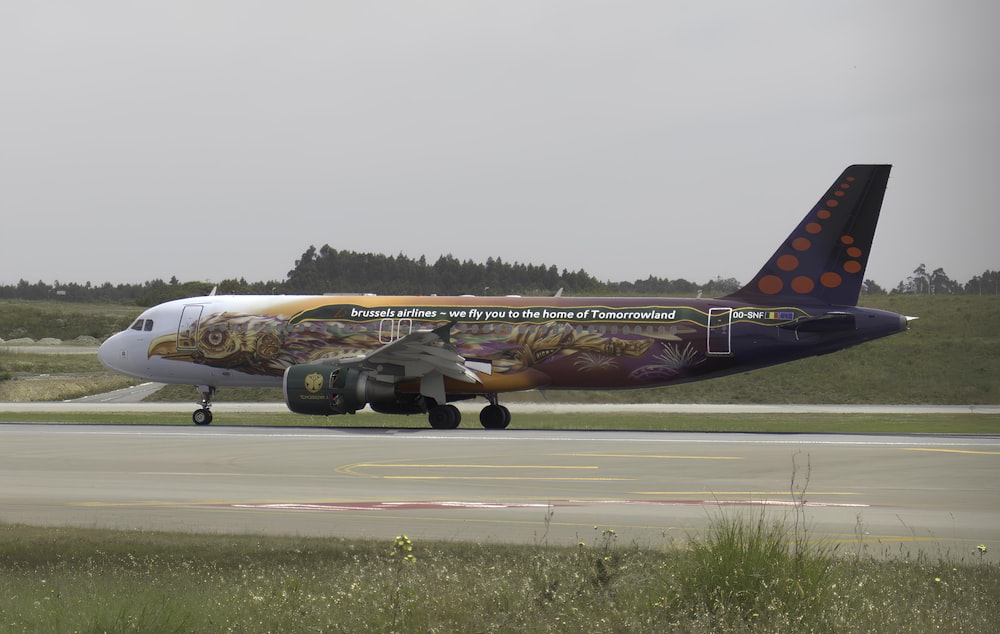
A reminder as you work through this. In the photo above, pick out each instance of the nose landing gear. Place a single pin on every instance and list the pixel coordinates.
(203, 416)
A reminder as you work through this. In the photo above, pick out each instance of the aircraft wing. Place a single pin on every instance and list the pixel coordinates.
(424, 354)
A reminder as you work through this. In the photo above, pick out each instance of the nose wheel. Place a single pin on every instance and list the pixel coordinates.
(203, 416)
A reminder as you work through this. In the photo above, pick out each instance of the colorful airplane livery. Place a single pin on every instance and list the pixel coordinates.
(335, 354)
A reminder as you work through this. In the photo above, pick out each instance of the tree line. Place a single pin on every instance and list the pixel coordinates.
(937, 282)
(329, 270)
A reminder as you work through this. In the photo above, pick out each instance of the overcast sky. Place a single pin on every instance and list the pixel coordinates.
(213, 140)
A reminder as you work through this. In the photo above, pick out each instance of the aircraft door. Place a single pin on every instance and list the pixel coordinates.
(720, 331)
(187, 328)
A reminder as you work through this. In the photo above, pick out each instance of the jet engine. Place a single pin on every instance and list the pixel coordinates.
(323, 390)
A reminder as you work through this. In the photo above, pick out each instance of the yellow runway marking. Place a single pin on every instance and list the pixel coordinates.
(967, 451)
(640, 455)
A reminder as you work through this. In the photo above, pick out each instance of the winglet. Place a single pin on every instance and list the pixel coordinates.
(825, 257)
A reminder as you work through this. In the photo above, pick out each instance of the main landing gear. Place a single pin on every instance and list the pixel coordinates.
(203, 416)
(444, 416)
(493, 416)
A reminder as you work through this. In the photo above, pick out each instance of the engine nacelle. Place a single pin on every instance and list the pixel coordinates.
(323, 390)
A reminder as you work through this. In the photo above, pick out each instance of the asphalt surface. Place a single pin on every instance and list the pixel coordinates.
(872, 494)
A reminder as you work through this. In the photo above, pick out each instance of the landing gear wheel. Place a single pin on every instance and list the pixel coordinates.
(444, 417)
(202, 416)
(494, 417)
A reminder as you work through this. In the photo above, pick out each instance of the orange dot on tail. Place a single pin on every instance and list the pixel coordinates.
(830, 279)
(823, 214)
(852, 266)
(838, 193)
(831, 203)
(788, 263)
(850, 179)
(802, 284)
(845, 186)
(846, 240)
(854, 252)
(801, 244)
(814, 227)
(770, 284)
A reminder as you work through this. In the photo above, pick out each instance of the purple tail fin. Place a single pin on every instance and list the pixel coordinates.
(824, 259)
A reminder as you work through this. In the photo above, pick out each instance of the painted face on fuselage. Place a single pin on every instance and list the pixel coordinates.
(224, 341)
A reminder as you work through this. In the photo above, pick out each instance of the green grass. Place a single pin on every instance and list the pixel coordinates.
(20, 363)
(26, 376)
(746, 567)
(746, 576)
(61, 319)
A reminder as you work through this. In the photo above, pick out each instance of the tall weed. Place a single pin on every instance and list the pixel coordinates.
(753, 569)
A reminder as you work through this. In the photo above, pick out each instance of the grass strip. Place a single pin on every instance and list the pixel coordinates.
(745, 575)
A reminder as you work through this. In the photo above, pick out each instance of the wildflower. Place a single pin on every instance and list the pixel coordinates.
(982, 549)
(403, 546)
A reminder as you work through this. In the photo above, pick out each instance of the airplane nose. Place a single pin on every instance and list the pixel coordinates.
(112, 353)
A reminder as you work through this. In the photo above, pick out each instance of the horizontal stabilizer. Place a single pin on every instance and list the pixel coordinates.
(827, 322)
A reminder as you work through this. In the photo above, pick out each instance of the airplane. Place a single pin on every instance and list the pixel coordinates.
(336, 354)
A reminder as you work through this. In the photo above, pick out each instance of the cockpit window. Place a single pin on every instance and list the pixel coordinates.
(142, 324)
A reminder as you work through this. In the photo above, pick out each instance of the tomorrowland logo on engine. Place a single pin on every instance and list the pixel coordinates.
(314, 382)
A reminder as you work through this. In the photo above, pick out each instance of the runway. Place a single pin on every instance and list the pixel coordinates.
(871, 493)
